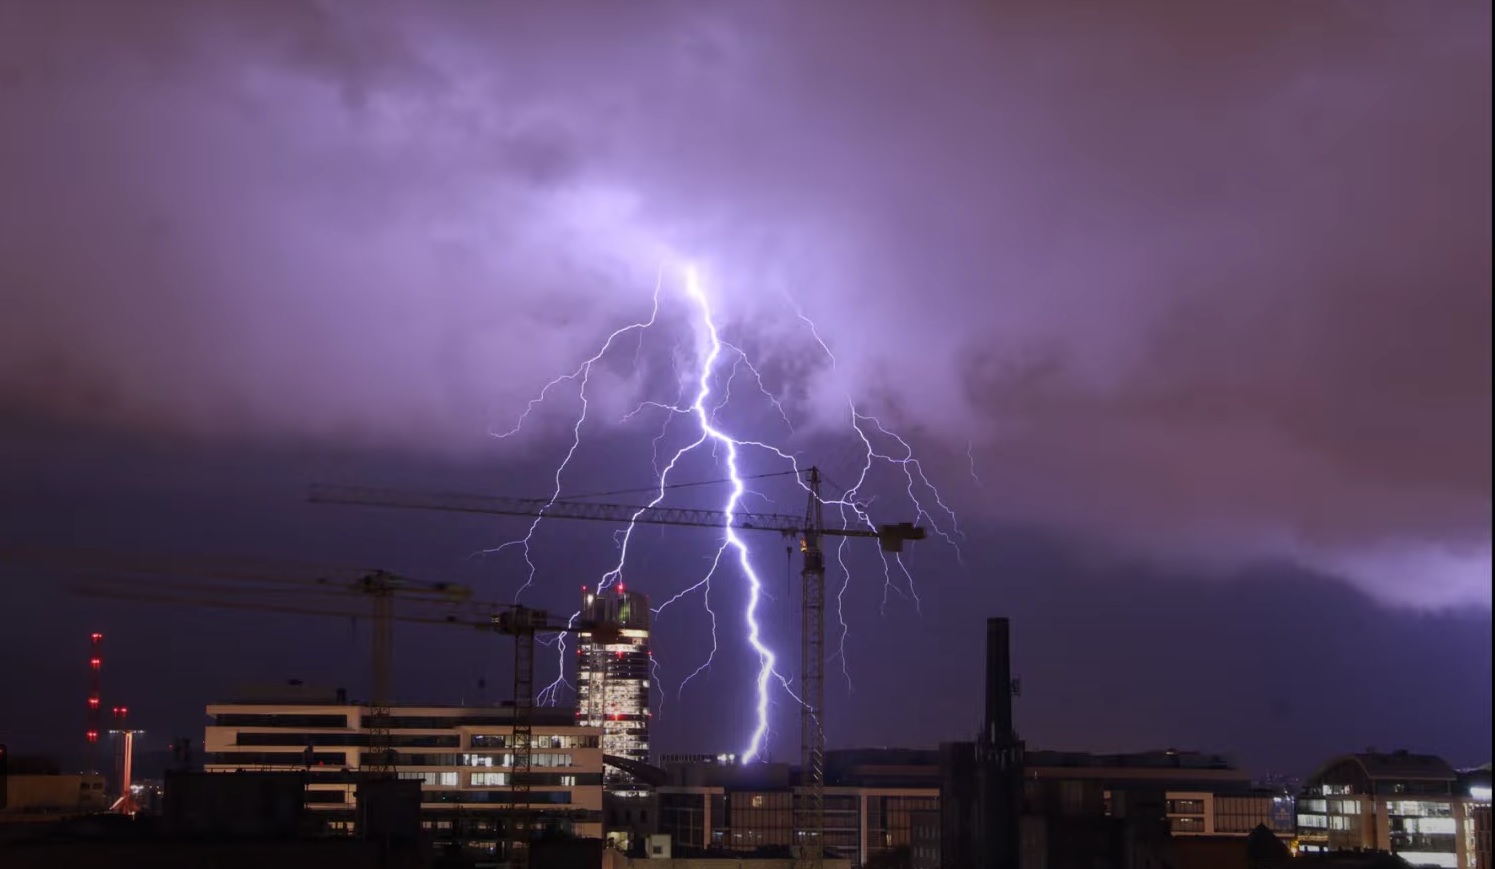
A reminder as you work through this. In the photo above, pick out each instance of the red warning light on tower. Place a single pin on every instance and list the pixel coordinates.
(95, 690)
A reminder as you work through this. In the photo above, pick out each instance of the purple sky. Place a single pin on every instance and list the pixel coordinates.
(1192, 289)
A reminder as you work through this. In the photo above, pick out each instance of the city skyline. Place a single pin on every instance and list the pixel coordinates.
(1187, 329)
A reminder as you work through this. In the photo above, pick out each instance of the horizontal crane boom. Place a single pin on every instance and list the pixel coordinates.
(892, 537)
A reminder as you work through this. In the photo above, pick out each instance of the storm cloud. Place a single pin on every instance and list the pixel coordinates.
(1212, 280)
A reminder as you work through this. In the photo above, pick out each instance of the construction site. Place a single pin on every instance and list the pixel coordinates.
(521, 782)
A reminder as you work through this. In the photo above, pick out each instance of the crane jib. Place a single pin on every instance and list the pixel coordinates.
(891, 537)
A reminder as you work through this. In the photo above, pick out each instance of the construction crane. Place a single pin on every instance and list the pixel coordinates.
(279, 587)
(810, 529)
(379, 586)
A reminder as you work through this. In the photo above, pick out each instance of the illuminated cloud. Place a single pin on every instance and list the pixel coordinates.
(1215, 269)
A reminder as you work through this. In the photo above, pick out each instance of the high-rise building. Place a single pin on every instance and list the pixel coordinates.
(613, 678)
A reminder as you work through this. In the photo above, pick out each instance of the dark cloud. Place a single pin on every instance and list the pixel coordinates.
(1212, 279)
(1111, 658)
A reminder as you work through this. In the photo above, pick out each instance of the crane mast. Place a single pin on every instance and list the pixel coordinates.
(381, 754)
(809, 528)
(254, 585)
(810, 806)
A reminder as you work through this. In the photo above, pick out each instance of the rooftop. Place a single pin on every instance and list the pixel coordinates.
(1396, 766)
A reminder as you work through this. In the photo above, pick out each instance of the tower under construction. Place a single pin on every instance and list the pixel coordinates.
(613, 678)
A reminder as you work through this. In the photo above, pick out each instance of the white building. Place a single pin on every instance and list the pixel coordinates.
(613, 678)
(1413, 805)
(460, 755)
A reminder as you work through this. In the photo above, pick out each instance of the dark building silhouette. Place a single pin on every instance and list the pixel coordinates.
(982, 782)
(1265, 850)
(960, 816)
(999, 755)
(1004, 808)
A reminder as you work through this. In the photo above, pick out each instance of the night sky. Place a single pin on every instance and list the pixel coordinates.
(1183, 308)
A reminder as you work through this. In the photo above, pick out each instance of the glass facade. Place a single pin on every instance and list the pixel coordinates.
(613, 678)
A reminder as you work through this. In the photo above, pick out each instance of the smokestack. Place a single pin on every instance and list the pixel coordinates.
(999, 730)
(999, 758)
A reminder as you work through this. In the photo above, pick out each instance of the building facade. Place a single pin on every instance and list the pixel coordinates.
(613, 679)
(860, 823)
(876, 802)
(1409, 804)
(1229, 813)
(461, 756)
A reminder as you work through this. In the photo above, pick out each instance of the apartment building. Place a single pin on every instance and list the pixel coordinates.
(461, 755)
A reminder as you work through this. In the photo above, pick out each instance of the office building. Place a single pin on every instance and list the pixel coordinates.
(1412, 805)
(876, 801)
(613, 679)
(461, 756)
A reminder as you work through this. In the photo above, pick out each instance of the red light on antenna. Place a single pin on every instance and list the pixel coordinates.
(620, 588)
(93, 736)
(96, 637)
(93, 703)
(95, 663)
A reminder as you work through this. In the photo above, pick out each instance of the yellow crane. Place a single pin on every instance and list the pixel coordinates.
(809, 529)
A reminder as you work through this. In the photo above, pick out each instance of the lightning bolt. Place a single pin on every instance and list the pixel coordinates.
(849, 508)
(705, 393)
(582, 377)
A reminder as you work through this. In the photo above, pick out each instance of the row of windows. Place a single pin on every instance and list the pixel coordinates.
(413, 740)
(242, 719)
(497, 796)
(346, 739)
(557, 798)
(340, 721)
(501, 779)
(542, 815)
(312, 760)
(1384, 788)
(536, 758)
(502, 740)
(276, 758)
